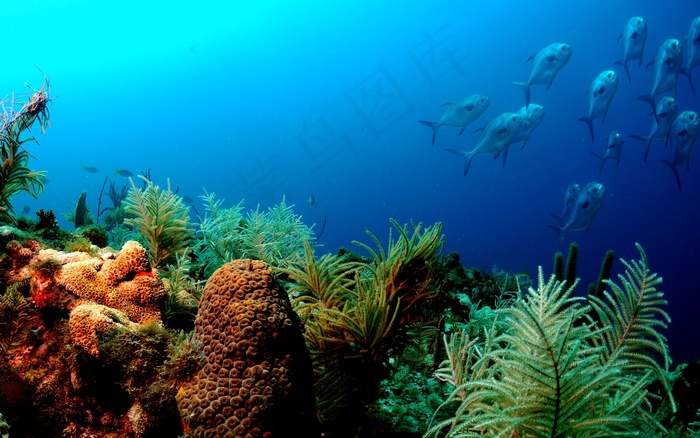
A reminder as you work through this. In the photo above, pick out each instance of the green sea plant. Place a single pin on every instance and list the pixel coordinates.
(358, 314)
(162, 219)
(556, 372)
(274, 236)
(182, 293)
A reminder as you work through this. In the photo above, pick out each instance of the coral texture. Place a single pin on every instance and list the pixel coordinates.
(256, 379)
(89, 321)
(122, 282)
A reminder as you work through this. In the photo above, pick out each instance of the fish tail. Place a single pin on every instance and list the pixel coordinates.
(650, 100)
(467, 158)
(559, 231)
(589, 122)
(431, 125)
(627, 70)
(675, 173)
(525, 86)
(690, 79)
(647, 144)
(602, 163)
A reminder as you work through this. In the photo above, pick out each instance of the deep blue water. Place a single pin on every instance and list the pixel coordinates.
(260, 100)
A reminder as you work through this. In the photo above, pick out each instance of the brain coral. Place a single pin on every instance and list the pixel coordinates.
(256, 380)
(88, 321)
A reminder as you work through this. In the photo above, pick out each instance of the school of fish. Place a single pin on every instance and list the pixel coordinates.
(677, 129)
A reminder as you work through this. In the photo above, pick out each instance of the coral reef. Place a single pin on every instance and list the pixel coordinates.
(256, 380)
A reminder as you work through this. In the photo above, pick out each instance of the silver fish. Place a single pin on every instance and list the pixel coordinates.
(460, 113)
(681, 137)
(613, 151)
(494, 139)
(693, 42)
(584, 208)
(545, 65)
(601, 93)
(532, 117)
(635, 37)
(666, 112)
(569, 197)
(667, 65)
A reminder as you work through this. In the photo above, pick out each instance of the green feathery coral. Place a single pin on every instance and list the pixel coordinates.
(17, 317)
(162, 219)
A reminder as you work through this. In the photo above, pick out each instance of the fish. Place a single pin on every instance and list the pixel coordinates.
(494, 139)
(532, 117)
(667, 65)
(460, 113)
(666, 112)
(601, 92)
(613, 151)
(89, 169)
(311, 200)
(681, 137)
(26, 209)
(123, 172)
(187, 200)
(545, 65)
(693, 43)
(635, 37)
(583, 209)
(570, 194)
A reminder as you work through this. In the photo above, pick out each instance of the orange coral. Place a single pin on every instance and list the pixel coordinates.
(256, 379)
(88, 321)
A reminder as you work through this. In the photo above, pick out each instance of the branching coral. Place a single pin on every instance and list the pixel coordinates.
(162, 219)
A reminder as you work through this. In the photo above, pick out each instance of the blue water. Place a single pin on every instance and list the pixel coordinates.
(260, 100)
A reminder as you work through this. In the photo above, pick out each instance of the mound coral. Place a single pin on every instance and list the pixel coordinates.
(256, 379)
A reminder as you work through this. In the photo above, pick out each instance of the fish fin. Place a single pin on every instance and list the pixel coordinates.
(647, 144)
(588, 121)
(432, 125)
(690, 79)
(675, 173)
(462, 130)
(561, 233)
(524, 142)
(649, 64)
(526, 87)
(505, 155)
(479, 129)
(529, 59)
(627, 70)
(619, 37)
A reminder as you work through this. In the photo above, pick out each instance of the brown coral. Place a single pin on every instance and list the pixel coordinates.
(256, 380)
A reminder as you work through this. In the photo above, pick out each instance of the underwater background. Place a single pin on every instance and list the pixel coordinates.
(264, 100)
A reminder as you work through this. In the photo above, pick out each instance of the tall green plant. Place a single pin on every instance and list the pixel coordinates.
(162, 219)
(15, 174)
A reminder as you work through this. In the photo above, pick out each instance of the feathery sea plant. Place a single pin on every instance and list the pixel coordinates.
(554, 371)
(17, 317)
(162, 219)
(276, 236)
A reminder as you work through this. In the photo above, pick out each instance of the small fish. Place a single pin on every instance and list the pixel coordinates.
(666, 112)
(494, 139)
(601, 92)
(123, 172)
(681, 137)
(26, 209)
(584, 208)
(311, 200)
(693, 42)
(187, 200)
(89, 169)
(532, 117)
(545, 65)
(667, 66)
(460, 113)
(635, 37)
(613, 151)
